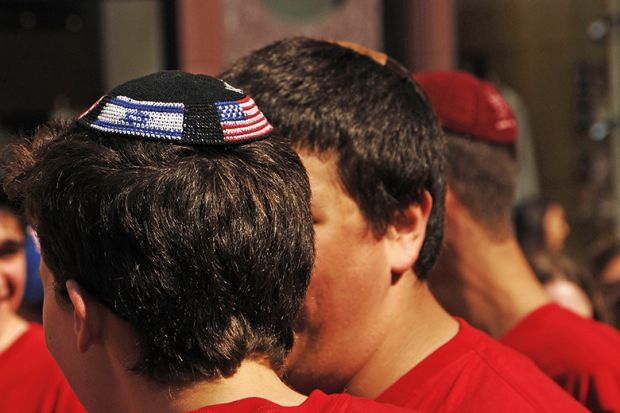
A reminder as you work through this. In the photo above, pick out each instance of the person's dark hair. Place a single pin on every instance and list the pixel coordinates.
(550, 265)
(329, 99)
(610, 291)
(603, 255)
(483, 177)
(205, 251)
(10, 208)
(528, 218)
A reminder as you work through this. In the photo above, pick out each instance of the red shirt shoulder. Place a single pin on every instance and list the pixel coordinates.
(31, 381)
(581, 355)
(473, 372)
(316, 402)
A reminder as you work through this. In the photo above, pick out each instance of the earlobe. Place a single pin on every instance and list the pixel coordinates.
(406, 234)
(84, 316)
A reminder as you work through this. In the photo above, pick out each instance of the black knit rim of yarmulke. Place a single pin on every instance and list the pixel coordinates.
(195, 130)
(200, 96)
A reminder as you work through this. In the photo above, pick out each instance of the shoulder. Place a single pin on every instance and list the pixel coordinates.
(473, 372)
(33, 352)
(509, 373)
(28, 347)
(560, 341)
(581, 355)
(317, 401)
(36, 382)
(345, 403)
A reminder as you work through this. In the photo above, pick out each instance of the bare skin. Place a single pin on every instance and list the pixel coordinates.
(367, 319)
(486, 281)
(11, 329)
(428, 327)
(12, 280)
(94, 347)
(570, 296)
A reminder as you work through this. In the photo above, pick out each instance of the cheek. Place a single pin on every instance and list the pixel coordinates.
(13, 271)
(343, 315)
(347, 280)
(557, 226)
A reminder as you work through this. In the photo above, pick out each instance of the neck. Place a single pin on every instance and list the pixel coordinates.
(420, 326)
(128, 392)
(489, 282)
(11, 327)
(252, 379)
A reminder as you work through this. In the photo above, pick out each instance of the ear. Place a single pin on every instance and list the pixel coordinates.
(452, 201)
(86, 317)
(406, 234)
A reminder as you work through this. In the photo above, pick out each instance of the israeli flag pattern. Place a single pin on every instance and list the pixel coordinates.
(241, 119)
(124, 115)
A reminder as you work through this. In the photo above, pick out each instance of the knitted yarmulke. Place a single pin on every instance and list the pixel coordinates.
(470, 106)
(178, 107)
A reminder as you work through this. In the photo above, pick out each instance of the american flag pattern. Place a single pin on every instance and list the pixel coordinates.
(232, 119)
(241, 120)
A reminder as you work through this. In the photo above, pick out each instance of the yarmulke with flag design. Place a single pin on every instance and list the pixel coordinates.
(178, 107)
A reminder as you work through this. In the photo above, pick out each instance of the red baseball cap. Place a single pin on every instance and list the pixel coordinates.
(469, 106)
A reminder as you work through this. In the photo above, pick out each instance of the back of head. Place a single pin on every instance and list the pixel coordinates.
(481, 134)
(182, 221)
(330, 99)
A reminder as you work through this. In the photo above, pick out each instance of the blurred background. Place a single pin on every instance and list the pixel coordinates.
(555, 60)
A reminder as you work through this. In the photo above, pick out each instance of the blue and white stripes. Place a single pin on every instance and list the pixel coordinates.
(124, 115)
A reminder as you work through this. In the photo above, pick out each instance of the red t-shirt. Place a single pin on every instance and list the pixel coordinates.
(581, 355)
(474, 373)
(30, 380)
(316, 402)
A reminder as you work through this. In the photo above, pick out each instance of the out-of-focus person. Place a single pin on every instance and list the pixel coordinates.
(32, 299)
(32, 303)
(30, 380)
(542, 229)
(375, 154)
(605, 266)
(483, 274)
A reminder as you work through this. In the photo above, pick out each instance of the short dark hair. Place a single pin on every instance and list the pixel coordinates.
(205, 251)
(11, 208)
(483, 176)
(528, 217)
(378, 123)
(602, 256)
